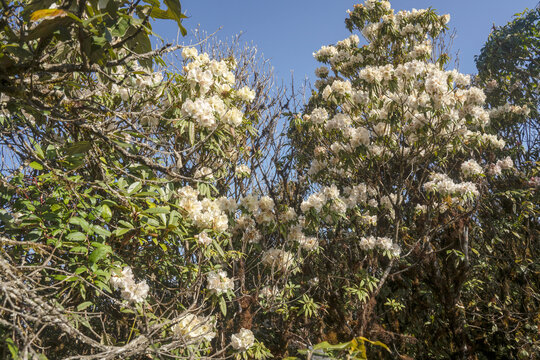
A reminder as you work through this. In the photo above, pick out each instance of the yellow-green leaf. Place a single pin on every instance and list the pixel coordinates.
(47, 14)
(36, 165)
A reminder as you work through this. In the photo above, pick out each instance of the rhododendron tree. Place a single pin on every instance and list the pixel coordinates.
(394, 153)
(115, 191)
(508, 70)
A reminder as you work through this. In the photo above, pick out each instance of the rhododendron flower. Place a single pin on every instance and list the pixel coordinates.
(194, 327)
(130, 290)
(242, 340)
(219, 283)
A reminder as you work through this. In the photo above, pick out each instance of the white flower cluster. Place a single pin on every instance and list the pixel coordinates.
(509, 109)
(357, 195)
(204, 172)
(534, 182)
(314, 201)
(138, 79)
(484, 139)
(243, 170)
(351, 41)
(262, 209)
(308, 243)
(500, 165)
(325, 53)
(405, 23)
(242, 340)
(318, 116)
(370, 4)
(279, 259)
(421, 50)
(421, 105)
(193, 327)
(383, 243)
(202, 72)
(189, 53)
(358, 136)
(206, 214)
(269, 292)
(442, 184)
(246, 94)
(471, 168)
(251, 235)
(201, 111)
(209, 81)
(420, 209)
(321, 72)
(227, 204)
(288, 215)
(204, 111)
(130, 290)
(339, 88)
(204, 239)
(219, 283)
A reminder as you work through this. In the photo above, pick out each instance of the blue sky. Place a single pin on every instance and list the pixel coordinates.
(288, 31)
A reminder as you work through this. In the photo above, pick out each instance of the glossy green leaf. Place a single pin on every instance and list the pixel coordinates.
(76, 236)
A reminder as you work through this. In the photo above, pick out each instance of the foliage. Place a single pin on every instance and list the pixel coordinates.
(509, 70)
(504, 287)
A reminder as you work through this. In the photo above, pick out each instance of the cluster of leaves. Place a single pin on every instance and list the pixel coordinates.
(508, 69)
(503, 289)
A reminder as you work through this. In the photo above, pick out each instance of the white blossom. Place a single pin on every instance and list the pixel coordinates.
(471, 168)
(242, 340)
(204, 239)
(193, 327)
(219, 283)
(246, 94)
(278, 258)
(130, 290)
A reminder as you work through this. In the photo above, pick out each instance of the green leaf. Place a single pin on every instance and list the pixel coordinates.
(136, 186)
(325, 345)
(80, 147)
(76, 236)
(376, 343)
(84, 305)
(218, 248)
(121, 231)
(38, 150)
(106, 212)
(80, 270)
(81, 222)
(36, 165)
(158, 13)
(102, 286)
(100, 252)
(101, 231)
(176, 10)
(223, 306)
(158, 210)
(120, 28)
(126, 224)
(79, 250)
(13, 349)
